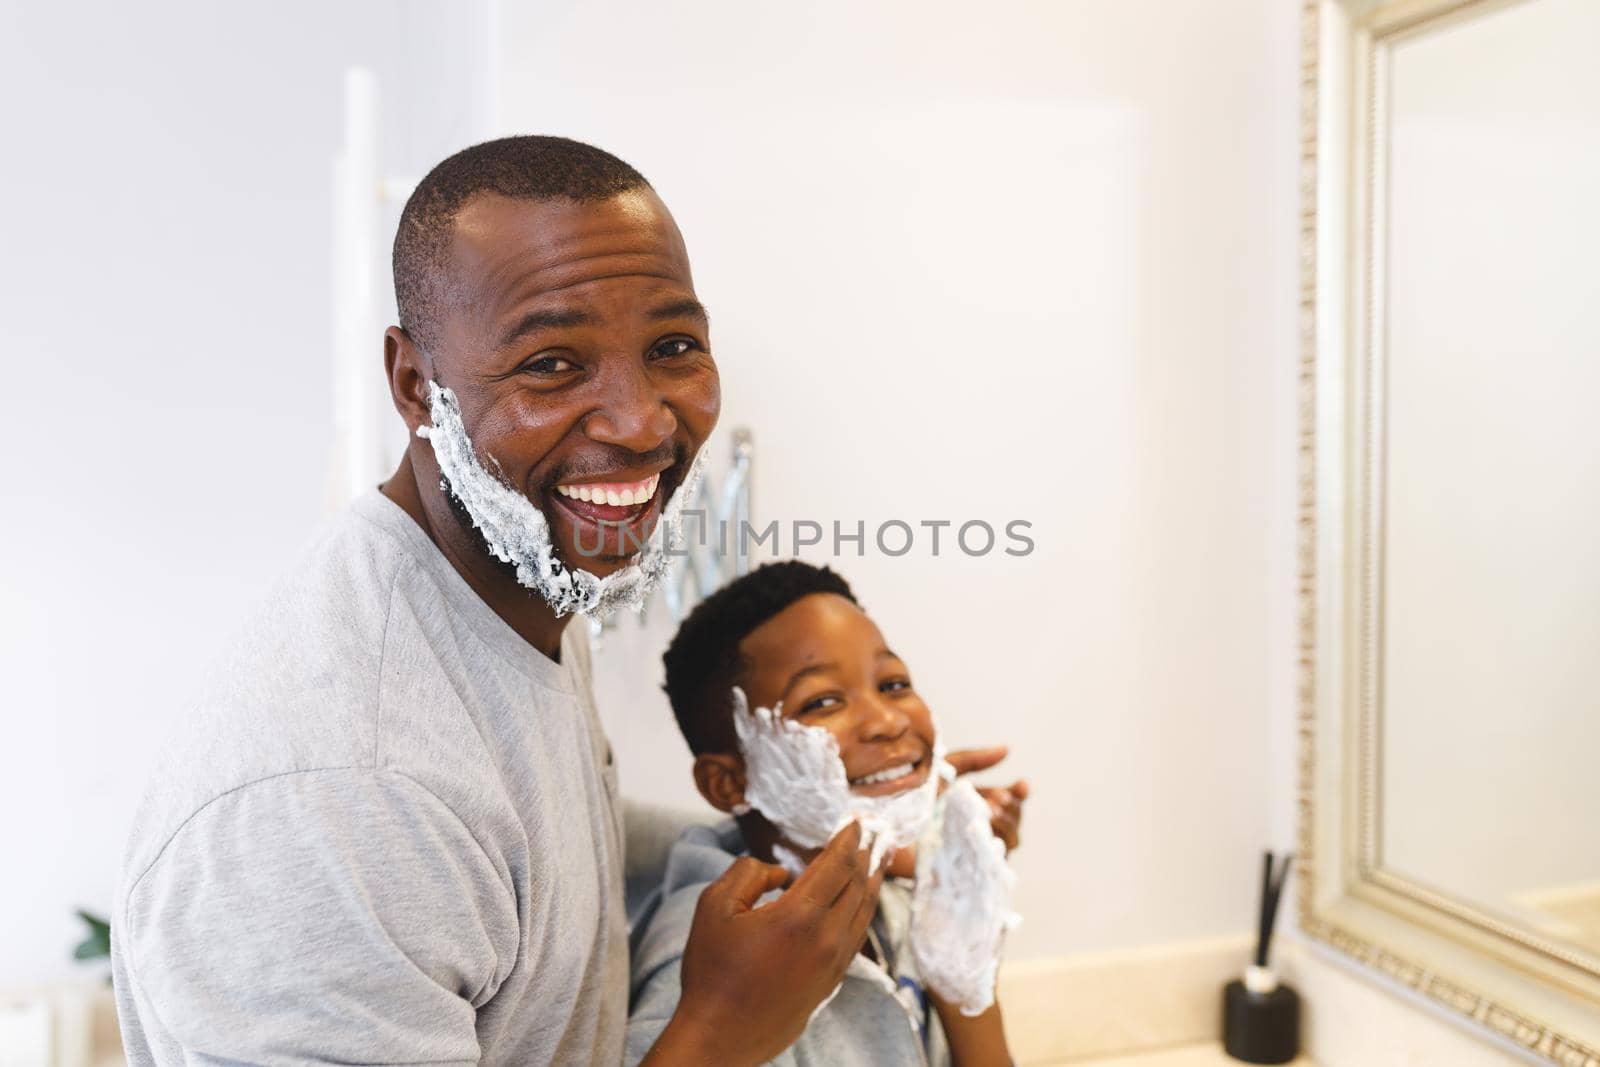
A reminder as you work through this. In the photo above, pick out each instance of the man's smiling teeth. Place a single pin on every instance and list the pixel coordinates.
(888, 774)
(616, 494)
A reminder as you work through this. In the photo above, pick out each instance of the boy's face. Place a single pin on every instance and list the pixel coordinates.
(828, 665)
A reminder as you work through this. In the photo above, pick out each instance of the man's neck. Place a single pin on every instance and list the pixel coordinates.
(522, 609)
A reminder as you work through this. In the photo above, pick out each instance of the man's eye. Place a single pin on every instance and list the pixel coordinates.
(674, 347)
(548, 365)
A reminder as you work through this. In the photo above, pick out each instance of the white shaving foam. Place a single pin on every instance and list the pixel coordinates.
(961, 906)
(518, 533)
(796, 778)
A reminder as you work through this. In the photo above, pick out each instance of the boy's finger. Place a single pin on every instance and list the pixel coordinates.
(833, 871)
(1001, 800)
(903, 862)
(1019, 789)
(968, 760)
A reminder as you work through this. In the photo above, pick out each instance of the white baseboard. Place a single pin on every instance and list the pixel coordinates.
(78, 1020)
(1074, 1007)
(1111, 1003)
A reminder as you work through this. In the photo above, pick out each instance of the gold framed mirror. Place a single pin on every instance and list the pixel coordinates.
(1450, 505)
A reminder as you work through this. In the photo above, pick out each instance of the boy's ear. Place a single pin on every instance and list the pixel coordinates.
(720, 778)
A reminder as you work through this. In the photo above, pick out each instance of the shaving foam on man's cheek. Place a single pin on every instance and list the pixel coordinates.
(961, 907)
(796, 778)
(517, 533)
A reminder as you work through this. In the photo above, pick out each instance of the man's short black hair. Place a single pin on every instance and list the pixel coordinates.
(703, 661)
(523, 168)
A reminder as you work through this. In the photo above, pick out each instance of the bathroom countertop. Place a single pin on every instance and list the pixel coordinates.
(1209, 1054)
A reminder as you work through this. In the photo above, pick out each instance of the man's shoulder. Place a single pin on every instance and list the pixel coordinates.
(299, 681)
(299, 687)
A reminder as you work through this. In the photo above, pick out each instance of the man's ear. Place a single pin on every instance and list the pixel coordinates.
(720, 778)
(409, 370)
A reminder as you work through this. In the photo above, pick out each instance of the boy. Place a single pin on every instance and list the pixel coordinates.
(790, 637)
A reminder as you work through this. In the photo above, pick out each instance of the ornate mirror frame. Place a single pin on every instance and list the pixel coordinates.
(1541, 994)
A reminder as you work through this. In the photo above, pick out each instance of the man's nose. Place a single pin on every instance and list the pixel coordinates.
(633, 412)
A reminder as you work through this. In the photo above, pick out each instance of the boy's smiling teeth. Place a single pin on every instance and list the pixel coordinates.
(888, 774)
(616, 494)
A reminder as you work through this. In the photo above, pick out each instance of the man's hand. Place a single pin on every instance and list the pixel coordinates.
(753, 976)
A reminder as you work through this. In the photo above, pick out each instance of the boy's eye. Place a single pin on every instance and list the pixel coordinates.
(822, 703)
(894, 685)
(674, 347)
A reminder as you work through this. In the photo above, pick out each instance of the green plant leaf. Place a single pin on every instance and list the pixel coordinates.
(98, 944)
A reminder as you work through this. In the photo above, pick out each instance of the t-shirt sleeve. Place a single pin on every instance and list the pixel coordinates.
(331, 916)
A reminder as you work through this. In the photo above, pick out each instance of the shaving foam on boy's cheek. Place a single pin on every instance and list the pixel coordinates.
(961, 906)
(517, 533)
(796, 778)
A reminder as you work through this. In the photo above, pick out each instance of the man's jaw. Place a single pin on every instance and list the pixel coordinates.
(517, 528)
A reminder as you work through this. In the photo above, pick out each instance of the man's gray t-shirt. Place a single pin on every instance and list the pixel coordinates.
(391, 834)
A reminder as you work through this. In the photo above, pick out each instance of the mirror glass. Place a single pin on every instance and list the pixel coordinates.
(1487, 315)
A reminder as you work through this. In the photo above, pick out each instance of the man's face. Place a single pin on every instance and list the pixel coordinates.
(581, 361)
(823, 658)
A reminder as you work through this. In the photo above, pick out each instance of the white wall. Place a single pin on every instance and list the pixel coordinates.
(166, 339)
(1034, 260)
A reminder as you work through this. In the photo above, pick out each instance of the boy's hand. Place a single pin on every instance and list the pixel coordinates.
(968, 760)
(1005, 819)
(1005, 804)
(752, 976)
(961, 907)
(975, 1041)
(1005, 810)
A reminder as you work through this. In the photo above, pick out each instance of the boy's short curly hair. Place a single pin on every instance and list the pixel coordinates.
(703, 662)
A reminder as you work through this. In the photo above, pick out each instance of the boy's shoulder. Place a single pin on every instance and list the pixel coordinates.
(701, 854)
(661, 929)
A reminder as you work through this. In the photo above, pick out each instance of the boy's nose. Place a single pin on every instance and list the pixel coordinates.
(882, 721)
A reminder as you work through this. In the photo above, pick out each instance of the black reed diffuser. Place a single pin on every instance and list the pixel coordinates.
(1260, 1015)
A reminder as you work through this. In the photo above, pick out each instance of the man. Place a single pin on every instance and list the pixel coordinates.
(392, 834)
